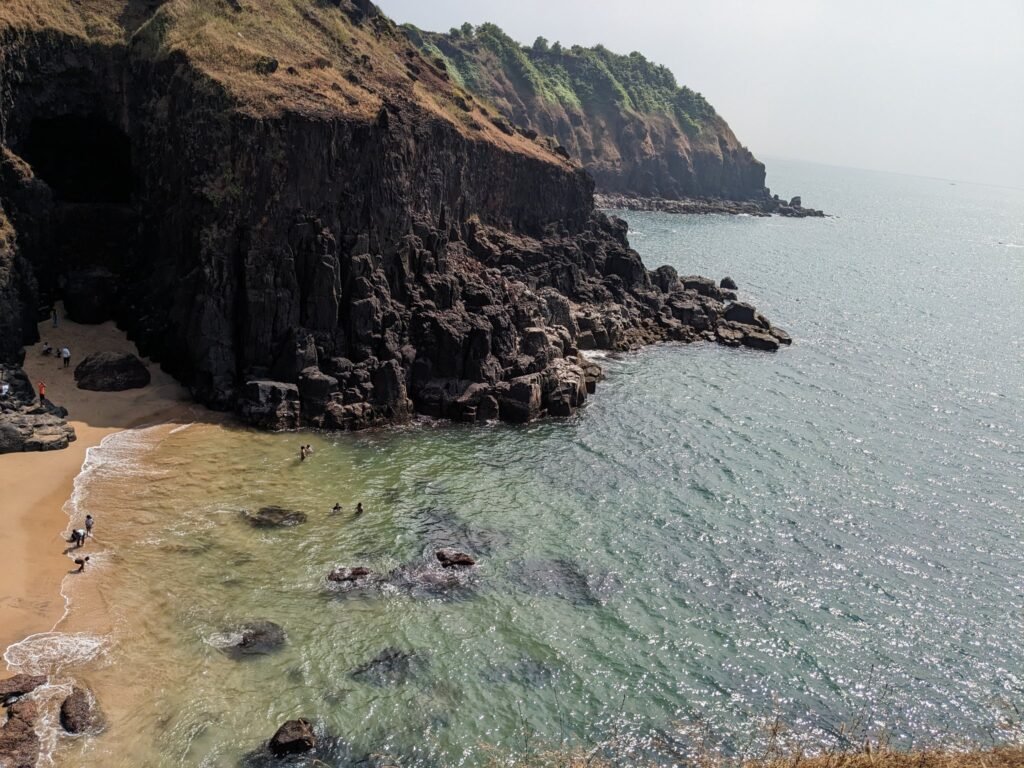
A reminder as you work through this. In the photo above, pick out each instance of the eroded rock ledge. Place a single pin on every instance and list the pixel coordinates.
(495, 327)
(768, 205)
(28, 423)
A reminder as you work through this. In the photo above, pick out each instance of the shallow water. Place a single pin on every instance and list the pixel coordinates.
(831, 534)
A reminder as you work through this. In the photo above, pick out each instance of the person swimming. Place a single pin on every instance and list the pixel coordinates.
(336, 509)
(359, 509)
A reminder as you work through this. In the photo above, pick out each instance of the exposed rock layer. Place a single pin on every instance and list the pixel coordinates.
(321, 247)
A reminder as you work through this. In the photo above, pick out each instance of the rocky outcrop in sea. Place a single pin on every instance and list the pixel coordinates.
(764, 205)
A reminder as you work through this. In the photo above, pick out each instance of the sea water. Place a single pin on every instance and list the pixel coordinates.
(827, 538)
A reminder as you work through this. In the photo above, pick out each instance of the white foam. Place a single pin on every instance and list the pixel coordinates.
(594, 354)
(48, 653)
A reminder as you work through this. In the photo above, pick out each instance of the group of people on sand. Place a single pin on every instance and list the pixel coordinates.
(78, 537)
(64, 354)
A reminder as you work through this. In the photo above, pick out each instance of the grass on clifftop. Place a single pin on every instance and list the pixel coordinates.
(275, 56)
(574, 79)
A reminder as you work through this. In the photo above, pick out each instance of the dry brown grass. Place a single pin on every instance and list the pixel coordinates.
(998, 757)
(326, 66)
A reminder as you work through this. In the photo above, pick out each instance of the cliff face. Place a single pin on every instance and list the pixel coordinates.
(627, 120)
(301, 217)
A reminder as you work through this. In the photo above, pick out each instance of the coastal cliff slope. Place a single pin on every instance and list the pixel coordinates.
(632, 126)
(303, 218)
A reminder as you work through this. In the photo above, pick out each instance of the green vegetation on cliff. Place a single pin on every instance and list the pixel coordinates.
(626, 118)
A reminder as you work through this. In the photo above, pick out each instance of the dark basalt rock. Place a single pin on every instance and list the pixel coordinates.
(90, 295)
(250, 272)
(20, 685)
(452, 558)
(392, 666)
(293, 738)
(274, 517)
(33, 432)
(111, 372)
(728, 283)
(19, 744)
(254, 638)
(79, 712)
(270, 405)
(349, 575)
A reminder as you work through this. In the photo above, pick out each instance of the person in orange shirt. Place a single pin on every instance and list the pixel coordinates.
(42, 390)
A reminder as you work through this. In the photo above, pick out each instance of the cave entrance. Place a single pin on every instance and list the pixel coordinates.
(87, 162)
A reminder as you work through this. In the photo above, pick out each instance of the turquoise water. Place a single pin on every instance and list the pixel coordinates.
(830, 535)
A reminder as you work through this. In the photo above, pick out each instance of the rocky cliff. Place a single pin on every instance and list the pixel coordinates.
(303, 218)
(627, 120)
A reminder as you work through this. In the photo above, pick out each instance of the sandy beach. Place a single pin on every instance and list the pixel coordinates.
(34, 487)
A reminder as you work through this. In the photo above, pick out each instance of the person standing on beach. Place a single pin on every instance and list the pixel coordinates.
(65, 354)
(42, 391)
(88, 525)
(53, 315)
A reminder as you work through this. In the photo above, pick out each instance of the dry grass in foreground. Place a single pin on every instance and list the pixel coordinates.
(999, 757)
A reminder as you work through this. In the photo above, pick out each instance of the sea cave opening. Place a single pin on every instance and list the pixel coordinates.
(87, 163)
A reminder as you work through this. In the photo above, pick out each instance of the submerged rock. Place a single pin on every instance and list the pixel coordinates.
(349, 575)
(254, 638)
(111, 372)
(79, 712)
(392, 666)
(563, 579)
(273, 517)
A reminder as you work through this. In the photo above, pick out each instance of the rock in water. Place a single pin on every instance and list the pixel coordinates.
(348, 575)
(255, 638)
(728, 283)
(19, 744)
(79, 713)
(111, 372)
(19, 685)
(273, 517)
(392, 666)
(293, 738)
(452, 558)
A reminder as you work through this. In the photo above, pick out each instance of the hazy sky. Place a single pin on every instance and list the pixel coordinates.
(929, 87)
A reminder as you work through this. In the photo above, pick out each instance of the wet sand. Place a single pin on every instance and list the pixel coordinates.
(34, 487)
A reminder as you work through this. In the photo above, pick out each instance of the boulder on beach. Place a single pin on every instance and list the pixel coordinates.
(111, 372)
(254, 638)
(273, 517)
(79, 712)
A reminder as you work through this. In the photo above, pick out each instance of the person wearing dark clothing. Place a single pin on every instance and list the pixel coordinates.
(77, 537)
(53, 315)
(80, 562)
(359, 508)
(336, 509)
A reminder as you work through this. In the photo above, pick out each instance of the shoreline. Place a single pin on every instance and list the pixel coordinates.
(36, 487)
(692, 206)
